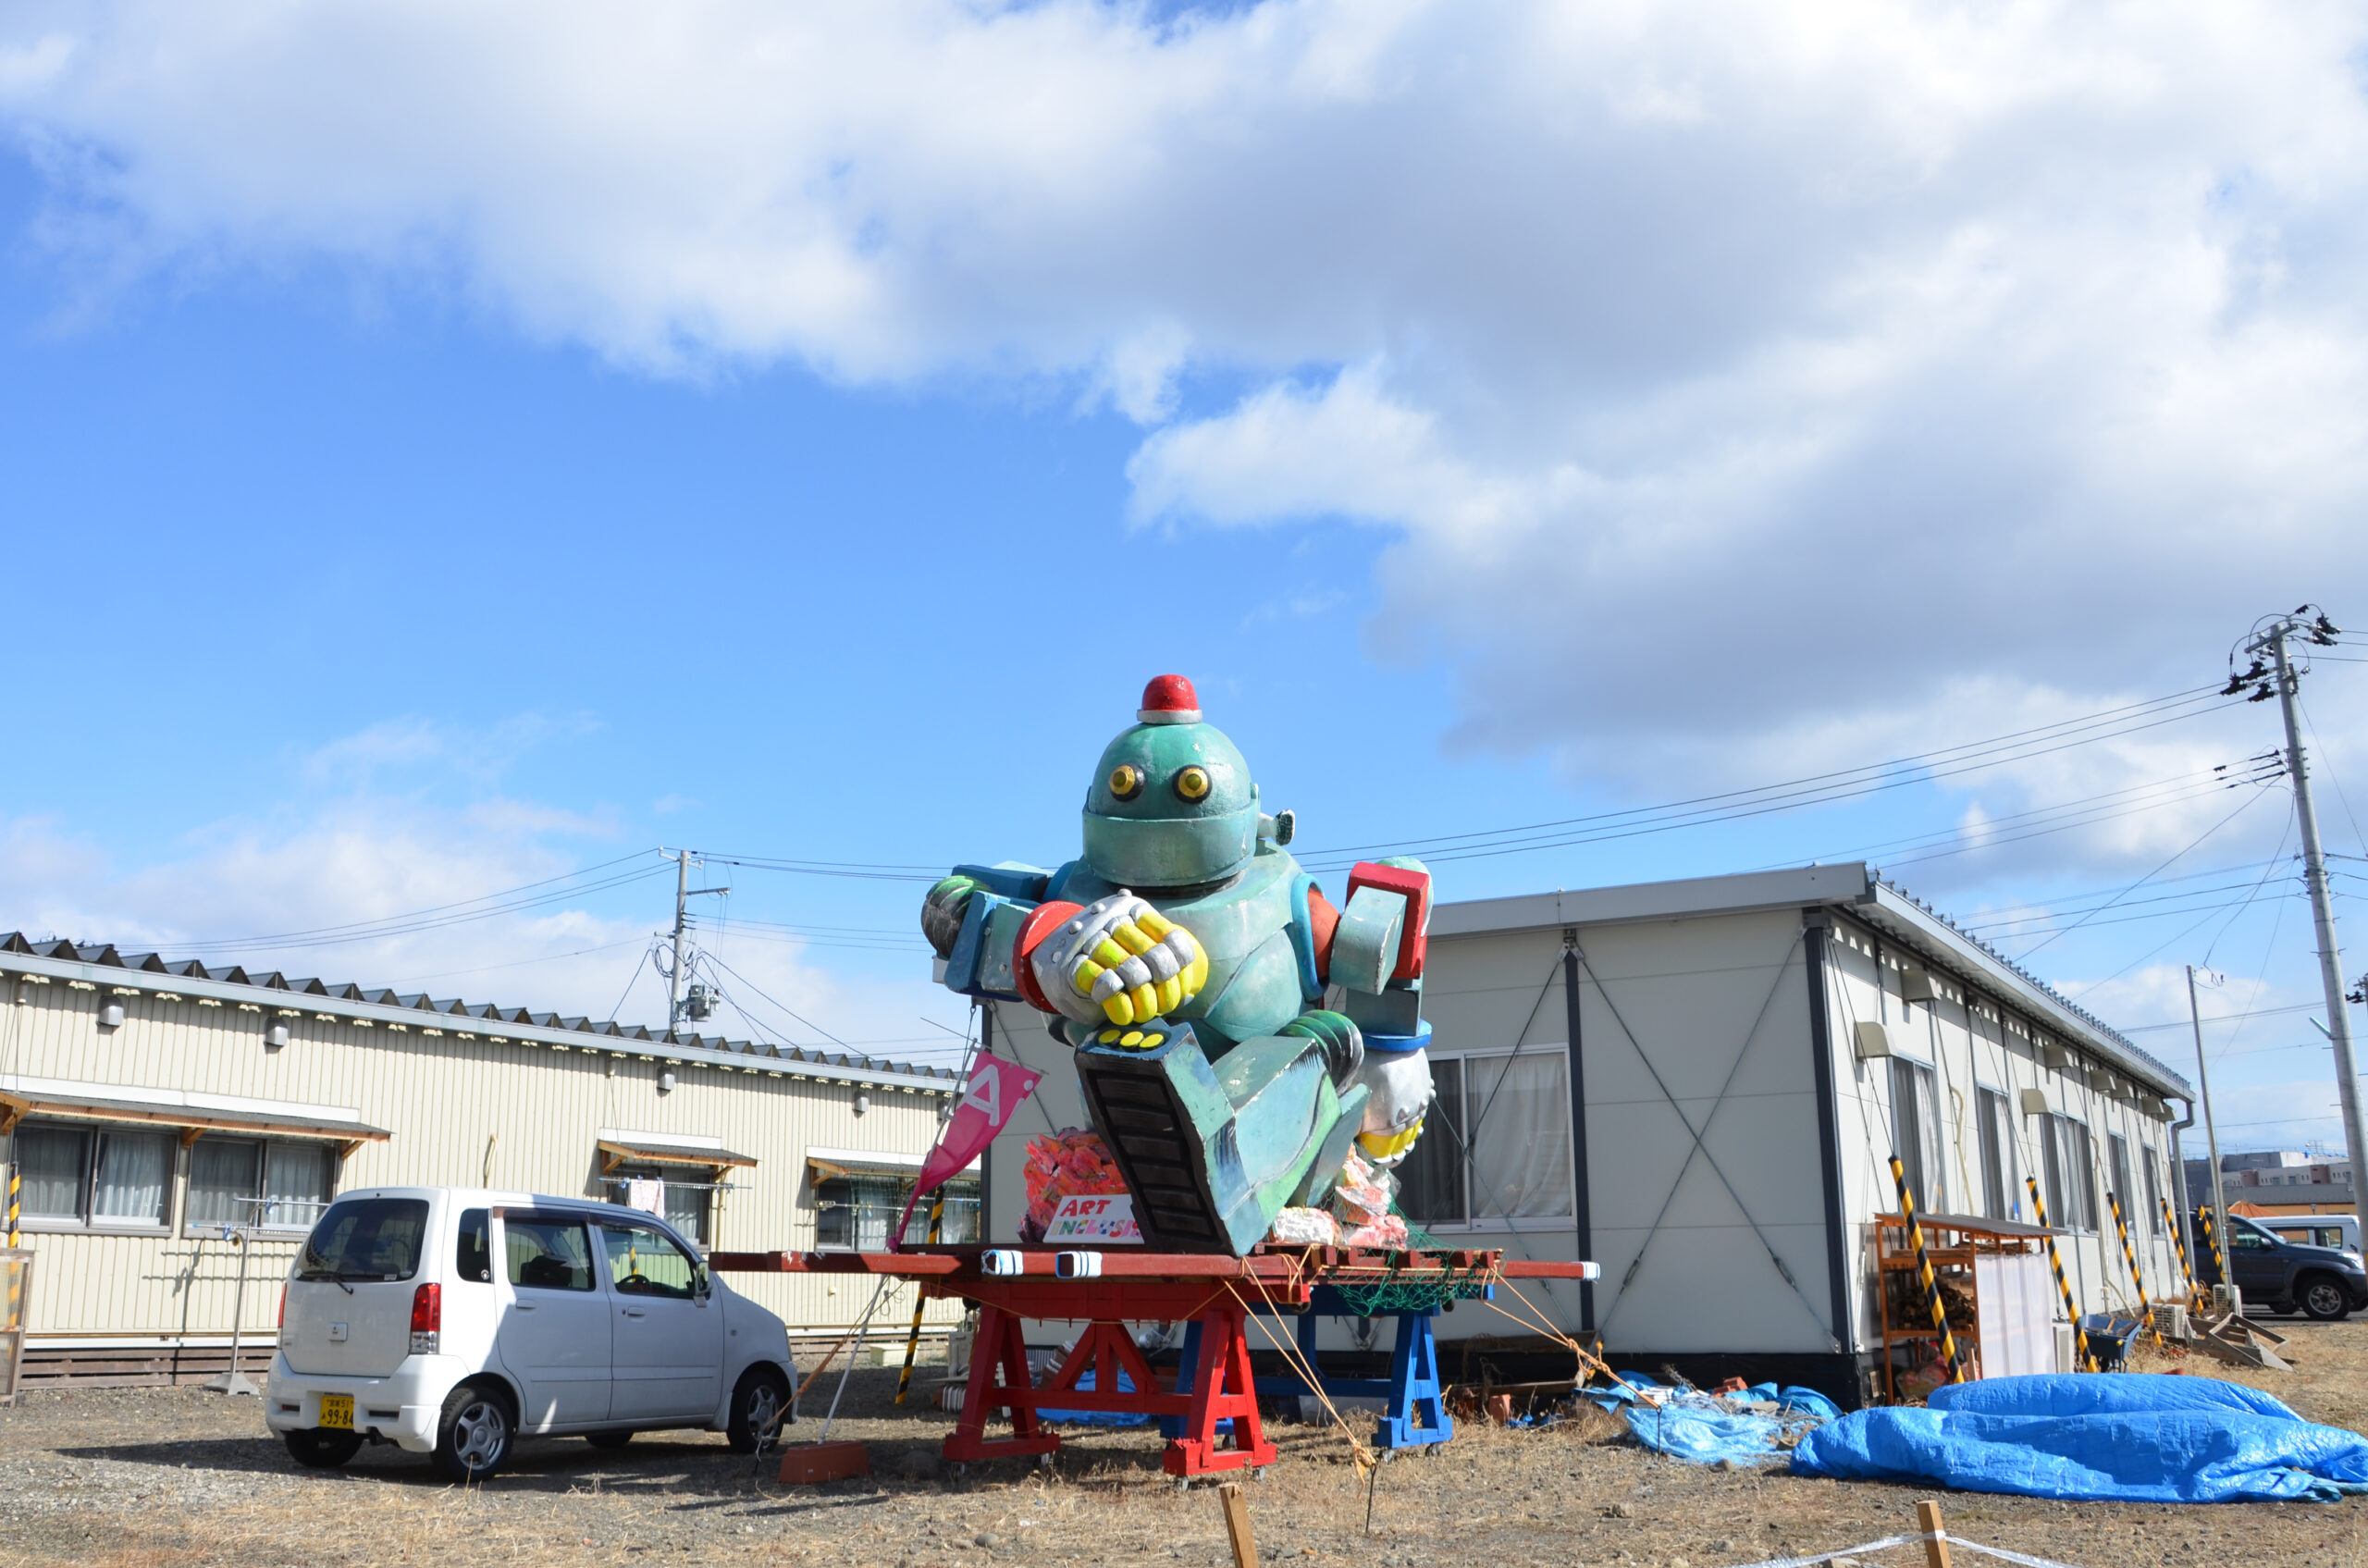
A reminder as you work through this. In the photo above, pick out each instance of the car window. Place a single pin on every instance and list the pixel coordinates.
(472, 1255)
(548, 1253)
(365, 1238)
(644, 1261)
(2247, 1241)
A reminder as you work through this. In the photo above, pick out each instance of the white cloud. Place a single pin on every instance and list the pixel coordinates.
(318, 885)
(1743, 384)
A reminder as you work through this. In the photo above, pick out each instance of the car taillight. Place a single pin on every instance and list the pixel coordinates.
(427, 1318)
(283, 1306)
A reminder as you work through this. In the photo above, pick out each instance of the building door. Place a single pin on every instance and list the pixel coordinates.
(554, 1330)
(667, 1330)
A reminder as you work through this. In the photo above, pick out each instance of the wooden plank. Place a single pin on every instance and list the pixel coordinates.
(1237, 1526)
(1936, 1540)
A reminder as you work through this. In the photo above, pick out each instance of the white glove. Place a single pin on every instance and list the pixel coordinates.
(1399, 1085)
(1119, 960)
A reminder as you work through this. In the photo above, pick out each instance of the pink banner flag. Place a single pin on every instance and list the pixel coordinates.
(996, 1089)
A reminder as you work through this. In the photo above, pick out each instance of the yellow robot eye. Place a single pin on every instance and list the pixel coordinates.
(1125, 781)
(1192, 783)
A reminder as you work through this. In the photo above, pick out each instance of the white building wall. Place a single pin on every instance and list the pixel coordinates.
(462, 1113)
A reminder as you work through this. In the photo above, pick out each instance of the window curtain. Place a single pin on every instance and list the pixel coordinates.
(1915, 1131)
(50, 1160)
(296, 1180)
(134, 1172)
(686, 1209)
(222, 1176)
(1520, 1110)
(1988, 1124)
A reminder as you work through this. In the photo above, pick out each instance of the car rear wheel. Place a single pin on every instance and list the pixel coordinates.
(759, 1408)
(608, 1442)
(472, 1434)
(323, 1449)
(2323, 1298)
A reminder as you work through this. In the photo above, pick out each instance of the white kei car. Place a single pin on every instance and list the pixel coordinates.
(453, 1320)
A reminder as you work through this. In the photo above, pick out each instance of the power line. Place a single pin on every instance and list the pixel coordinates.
(1815, 789)
(2242, 807)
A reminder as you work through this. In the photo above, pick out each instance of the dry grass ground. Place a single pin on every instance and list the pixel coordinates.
(155, 1478)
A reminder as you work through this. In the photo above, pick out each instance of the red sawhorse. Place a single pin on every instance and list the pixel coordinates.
(1222, 1387)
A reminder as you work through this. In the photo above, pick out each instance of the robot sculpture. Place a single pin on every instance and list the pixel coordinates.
(1187, 958)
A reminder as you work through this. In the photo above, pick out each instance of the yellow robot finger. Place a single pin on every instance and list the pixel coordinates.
(1146, 1002)
(1119, 1009)
(1130, 936)
(1170, 995)
(1087, 972)
(1196, 973)
(1157, 924)
(1109, 955)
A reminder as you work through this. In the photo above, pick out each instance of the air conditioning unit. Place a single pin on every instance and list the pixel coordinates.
(2227, 1299)
(2067, 1349)
(2170, 1320)
(1874, 1040)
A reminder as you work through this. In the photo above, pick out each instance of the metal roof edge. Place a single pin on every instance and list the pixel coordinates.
(623, 1043)
(1906, 919)
(1844, 881)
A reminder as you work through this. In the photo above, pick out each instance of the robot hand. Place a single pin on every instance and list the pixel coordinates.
(1119, 960)
(942, 911)
(1399, 1085)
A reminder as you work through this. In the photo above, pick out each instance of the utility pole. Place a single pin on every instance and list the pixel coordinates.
(699, 1003)
(2211, 1140)
(674, 976)
(2272, 637)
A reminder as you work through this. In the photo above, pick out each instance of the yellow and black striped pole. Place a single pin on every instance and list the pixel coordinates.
(2178, 1246)
(2212, 1244)
(15, 1186)
(2130, 1257)
(920, 1302)
(2071, 1308)
(1924, 1268)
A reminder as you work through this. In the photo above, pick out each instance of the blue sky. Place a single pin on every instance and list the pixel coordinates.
(445, 452)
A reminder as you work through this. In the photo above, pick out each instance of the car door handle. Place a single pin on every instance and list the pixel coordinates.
(636, 1312)
(523, 1306)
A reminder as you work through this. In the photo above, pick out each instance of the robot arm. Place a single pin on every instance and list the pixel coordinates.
(1374, 952)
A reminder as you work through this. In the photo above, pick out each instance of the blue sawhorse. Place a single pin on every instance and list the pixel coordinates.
(1414, 1401)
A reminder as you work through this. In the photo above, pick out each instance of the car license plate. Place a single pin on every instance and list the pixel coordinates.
(337, 1410)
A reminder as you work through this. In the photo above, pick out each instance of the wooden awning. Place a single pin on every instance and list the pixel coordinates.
(192, 1114)
(615, 1152)
(828, 1164)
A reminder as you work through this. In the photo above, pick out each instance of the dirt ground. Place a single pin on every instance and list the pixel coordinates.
(145, 1479)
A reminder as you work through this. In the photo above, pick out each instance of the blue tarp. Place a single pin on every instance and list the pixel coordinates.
(2130, 1437)
(1706, 1429)
(1102, 1418)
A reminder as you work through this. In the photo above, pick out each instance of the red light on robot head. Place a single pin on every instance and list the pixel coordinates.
(1169, 699)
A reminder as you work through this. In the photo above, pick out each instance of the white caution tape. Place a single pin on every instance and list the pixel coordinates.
(1958, 1542)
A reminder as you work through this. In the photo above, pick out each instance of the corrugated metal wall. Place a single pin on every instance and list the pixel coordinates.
(463, 1113)
(1971, 1043)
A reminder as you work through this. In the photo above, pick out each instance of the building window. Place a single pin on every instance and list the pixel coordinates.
(1496, 1143)
(856, 1213)
(688, 1206)
(2069, 1160)
(93, 1176)
(2153, 1191)
(1916, 1133)
(1999, 1198)
(2118, 1151)
(246, 1181)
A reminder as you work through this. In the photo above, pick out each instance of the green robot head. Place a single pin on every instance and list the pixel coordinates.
(1172, 804)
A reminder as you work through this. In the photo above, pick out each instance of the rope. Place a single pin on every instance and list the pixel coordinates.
(1361, 1455)
(1959, 1542)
